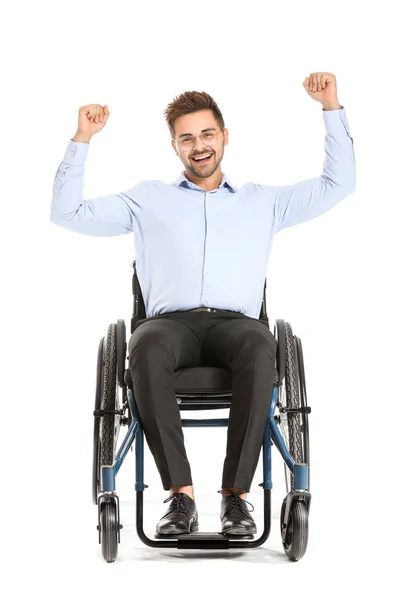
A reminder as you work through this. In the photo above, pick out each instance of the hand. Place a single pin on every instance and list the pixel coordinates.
(92, 118)
(322, 87)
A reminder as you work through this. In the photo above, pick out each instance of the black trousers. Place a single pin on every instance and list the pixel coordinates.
(162, 344)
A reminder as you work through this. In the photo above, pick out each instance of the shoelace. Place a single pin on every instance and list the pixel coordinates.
(236, 502)
(179, 502)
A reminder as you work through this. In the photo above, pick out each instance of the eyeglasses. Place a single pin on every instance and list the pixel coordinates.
(208, 138)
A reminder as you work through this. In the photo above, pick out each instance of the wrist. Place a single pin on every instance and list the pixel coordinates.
(331, 105)
(81, 137)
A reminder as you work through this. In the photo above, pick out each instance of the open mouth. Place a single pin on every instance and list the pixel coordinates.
(202, 161)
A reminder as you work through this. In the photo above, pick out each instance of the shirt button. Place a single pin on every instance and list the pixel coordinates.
(72, 153)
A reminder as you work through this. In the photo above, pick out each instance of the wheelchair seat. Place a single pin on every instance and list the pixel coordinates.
(192, 383)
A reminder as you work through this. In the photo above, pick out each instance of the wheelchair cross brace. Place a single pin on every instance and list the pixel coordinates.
(212, 540)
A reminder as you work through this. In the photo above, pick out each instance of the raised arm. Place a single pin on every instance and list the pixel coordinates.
(303, 201)
(110, 215)
(103, 216)
(300, 202)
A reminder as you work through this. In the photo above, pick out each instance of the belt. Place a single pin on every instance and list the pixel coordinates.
(204, 308)
(199, 308)
(210, 309)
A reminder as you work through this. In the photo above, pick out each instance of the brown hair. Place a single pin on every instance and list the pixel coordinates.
(190, 102)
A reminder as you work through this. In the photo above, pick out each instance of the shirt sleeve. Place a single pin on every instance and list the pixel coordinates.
(303, 201)
(110, 215)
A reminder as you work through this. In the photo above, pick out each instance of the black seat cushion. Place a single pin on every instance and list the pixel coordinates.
(199, 380)
(203, 380)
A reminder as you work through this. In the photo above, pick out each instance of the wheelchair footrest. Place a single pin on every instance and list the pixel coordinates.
(209, 540)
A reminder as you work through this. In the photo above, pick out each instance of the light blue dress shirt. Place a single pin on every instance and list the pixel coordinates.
(196, 248)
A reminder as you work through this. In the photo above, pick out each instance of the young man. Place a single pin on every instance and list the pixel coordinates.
(202, 277)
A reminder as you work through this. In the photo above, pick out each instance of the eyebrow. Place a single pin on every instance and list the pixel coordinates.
(202, 131)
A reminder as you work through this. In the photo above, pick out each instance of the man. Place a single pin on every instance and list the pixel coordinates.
(202, 280)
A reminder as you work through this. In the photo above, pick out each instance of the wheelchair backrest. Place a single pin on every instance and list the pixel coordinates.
(139, 311)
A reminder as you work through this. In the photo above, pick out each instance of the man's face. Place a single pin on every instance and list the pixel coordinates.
(194, 124)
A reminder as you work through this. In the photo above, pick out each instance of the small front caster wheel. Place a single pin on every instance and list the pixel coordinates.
(109, 529)
(295, 532)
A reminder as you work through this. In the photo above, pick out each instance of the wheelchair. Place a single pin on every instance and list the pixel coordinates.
(200, 388)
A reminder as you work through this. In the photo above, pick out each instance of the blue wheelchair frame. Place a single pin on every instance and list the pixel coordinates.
(202, 539)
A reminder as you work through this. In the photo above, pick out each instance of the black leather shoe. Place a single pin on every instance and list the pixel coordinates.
(235, 517)
(181, 517)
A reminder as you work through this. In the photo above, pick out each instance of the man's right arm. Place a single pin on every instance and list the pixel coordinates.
(103, 216)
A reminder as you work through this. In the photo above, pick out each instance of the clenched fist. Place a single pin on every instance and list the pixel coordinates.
(321, 86)
(92, 118)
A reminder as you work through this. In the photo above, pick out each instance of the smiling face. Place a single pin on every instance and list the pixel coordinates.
(202, 121)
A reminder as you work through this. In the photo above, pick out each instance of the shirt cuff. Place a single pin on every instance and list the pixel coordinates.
(75, 153)
(336, 121)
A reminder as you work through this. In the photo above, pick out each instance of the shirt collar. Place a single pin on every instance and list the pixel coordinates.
(183, 181)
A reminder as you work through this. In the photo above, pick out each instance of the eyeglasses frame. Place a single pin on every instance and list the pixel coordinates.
(194, 139)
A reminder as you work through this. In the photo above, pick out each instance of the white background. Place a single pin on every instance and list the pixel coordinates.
(334, 279)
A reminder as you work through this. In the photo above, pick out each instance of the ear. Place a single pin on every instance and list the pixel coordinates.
(226, 137)
(173, 144)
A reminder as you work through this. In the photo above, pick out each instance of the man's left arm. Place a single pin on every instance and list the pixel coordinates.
(303, 201)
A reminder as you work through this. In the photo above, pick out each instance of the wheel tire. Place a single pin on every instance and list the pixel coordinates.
(292, 396)
(303, 402)
(297, 526)
(109, 530)
(109, 424)
(96, 428)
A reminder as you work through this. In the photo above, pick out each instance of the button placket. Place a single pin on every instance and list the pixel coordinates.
(207, 219)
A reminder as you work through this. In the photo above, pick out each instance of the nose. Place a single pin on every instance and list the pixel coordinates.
(197, 145)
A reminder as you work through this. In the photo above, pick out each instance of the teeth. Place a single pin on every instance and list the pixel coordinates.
(197, 157)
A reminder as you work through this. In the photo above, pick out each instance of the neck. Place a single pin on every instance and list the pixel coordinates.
(206, 183)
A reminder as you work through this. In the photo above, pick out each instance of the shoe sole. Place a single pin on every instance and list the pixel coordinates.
(239, 531)
(194, 527)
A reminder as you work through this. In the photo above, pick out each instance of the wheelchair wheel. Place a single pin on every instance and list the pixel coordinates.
(109, 529)
(295, 538)
(110, 423)
(96, 429)
(303, 402)
(292, 394)
(107, 426)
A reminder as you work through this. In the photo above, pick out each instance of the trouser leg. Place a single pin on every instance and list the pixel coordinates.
(248, 348)
(156, 348)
